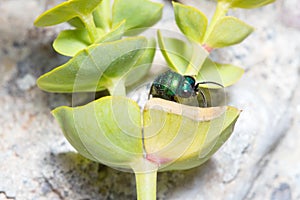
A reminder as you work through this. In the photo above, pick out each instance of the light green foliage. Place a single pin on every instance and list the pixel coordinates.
(176, 52)
(96, 67)
(182, 137)
(137, 13)
(76, 22)
(225, 74)
(66, 11)
(93, 21)
(113, 130)
(102, 15)
(179, 56)
(143, 64)
(70, 42)
(190, 21)
(115, 141)
(247, 4)
(228, 31)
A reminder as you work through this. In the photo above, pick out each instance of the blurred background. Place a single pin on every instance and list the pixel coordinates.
(259, 161)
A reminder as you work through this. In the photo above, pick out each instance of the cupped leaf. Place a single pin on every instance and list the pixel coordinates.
(96, 67)
(182, 57)
(137, 13)
(176, 52)
(247, 4)
(190, 21)
(177, 136)
(77, 23)
(228, 31)
(107, 130)
(70, 42)
(225, 74)
(143, 65)
(66, 11)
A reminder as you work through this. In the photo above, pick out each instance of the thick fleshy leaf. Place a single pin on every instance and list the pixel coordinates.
(181, 137)
(190, 21)
(182, 57)
(247, 4)
(115, 33)
(143, 65)
(176, 52)
(228, 31)
(137, 13)
(70, 42)
(225, 74)
(76, 22)
(66, 11)
(96, 67)
(107, 130)
(102, 15)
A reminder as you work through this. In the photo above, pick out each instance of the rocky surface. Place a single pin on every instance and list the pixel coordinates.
(260, 160)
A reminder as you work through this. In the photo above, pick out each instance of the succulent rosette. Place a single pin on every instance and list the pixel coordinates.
(107, 54)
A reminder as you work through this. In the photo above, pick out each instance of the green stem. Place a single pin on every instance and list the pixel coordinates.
(90, 26)
(146, 185)
(102, 15)
(221, 10)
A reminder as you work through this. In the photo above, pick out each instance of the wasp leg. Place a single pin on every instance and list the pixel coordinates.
(150, 92)
(203, 97)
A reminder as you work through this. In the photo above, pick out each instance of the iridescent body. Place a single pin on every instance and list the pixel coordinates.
(171, 85)
(175, 87)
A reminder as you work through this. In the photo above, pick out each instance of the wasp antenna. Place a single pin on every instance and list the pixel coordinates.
(209, 82)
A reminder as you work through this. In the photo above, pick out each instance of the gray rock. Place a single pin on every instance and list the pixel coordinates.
(260, 160)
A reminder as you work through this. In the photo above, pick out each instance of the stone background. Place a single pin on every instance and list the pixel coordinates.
(260, 160)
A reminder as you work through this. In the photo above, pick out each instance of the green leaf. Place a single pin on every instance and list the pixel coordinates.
(143, 65)
(96, 67)
(247, 4)
(190, 21)
(137, 13)
(182, 57)
(225, 74)
(102, 15)
(66, 11)
(179, 137)
(107, 130)
(175, 136)
(77, 23)
(228, 31)
(70, 42)
(176, 52)
(115, 33)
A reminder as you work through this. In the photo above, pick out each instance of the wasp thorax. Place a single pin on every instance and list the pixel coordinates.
(175, 87)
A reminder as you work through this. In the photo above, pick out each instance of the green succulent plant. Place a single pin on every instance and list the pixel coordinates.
(164, 136)
(107, 53)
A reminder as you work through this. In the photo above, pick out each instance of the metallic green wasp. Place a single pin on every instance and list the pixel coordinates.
(175, 87)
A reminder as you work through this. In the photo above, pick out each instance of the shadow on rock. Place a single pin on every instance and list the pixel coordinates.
(72, 176)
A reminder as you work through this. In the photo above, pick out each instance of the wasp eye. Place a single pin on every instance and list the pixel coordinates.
(186, 90)
(186, 93)
(190, 80)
